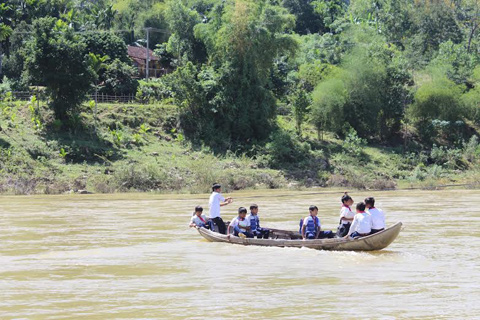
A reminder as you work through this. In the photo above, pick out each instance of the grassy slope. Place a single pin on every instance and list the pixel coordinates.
(137, 148)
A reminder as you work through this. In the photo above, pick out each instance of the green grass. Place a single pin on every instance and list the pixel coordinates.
(140, 148)
(132, 148)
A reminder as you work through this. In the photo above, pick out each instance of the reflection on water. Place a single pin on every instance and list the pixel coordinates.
(132, 256)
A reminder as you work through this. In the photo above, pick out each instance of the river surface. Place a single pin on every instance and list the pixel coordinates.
(132, 256)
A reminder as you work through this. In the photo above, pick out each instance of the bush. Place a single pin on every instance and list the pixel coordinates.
(286, 150)
(55, 58)
(471, 150)
(451, 158)
(329, 99)
(154, 90)
(353, 144)
(438, 100)
(119, 79)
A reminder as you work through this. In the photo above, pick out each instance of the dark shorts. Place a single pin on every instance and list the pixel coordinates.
(376, 230)
(343, 229)
(356, 235)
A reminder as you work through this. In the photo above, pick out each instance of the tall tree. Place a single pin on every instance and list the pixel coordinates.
(234, 98)
(55, 58)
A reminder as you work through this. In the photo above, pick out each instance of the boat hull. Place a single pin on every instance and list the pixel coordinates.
(377, 241)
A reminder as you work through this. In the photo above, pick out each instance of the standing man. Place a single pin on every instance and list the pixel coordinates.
(216, 201)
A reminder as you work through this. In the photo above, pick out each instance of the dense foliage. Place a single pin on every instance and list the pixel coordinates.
(396, 72)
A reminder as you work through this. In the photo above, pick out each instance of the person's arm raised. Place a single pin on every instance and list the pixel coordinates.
(226, 202)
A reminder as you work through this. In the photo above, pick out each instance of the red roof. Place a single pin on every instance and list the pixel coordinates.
(140, 53)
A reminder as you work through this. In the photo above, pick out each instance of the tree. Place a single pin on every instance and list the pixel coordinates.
(368, 92)
(300, 101)
(119, 78)
(328, 106)
(434, 24)
(55, 58)
(330, 11)
(182, 43)
(468, 12)
(230, 95)
(307, 20)
(105, 44)
(439, 99)
(438, 108)
(97, 63)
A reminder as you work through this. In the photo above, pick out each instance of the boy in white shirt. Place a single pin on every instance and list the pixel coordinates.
(199, 220)
(240, 226)
(215, 202)
(378, 216)
(362, 223)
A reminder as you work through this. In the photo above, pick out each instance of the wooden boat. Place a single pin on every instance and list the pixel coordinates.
(283, 238)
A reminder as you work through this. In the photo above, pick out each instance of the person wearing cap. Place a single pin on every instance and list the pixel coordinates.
(378, 216)
(362, 223)
(199, 219)
(240, 226)
(254, 220)
(215, 202)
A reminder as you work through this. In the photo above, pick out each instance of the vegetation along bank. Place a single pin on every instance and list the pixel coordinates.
(253, 94)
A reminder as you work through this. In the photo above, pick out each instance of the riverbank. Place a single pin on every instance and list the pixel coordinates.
(138, 148)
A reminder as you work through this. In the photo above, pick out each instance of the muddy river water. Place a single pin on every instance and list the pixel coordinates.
(132, 256)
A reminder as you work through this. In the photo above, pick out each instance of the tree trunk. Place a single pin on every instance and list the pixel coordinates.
(95, 111)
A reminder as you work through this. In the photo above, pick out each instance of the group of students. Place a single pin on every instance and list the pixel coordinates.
(241, 226)
(367, 220)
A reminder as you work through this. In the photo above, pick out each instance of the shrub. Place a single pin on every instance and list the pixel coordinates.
(353, 144)
(438, 100)
(119, 79)
(286, 150)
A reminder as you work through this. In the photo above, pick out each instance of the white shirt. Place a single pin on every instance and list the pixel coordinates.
(214, 204)
(347, 213)
(195, 219)
(378, 218)
(242, 224)
(362, 223)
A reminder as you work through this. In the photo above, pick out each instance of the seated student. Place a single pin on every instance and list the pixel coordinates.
(240, 226)
(255, 228)
(378, 217)
(362, 223)
(199, 220)
(311, 227)
(346, 216)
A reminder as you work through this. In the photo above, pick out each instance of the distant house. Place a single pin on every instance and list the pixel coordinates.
(139, 56)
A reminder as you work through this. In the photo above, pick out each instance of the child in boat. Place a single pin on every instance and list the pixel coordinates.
(240, 226)
(215, 202)
(255, 228)
(199, 219)
(346, 216)
(378, 217)
(362, 223)
(311, 224)
(311, 228)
